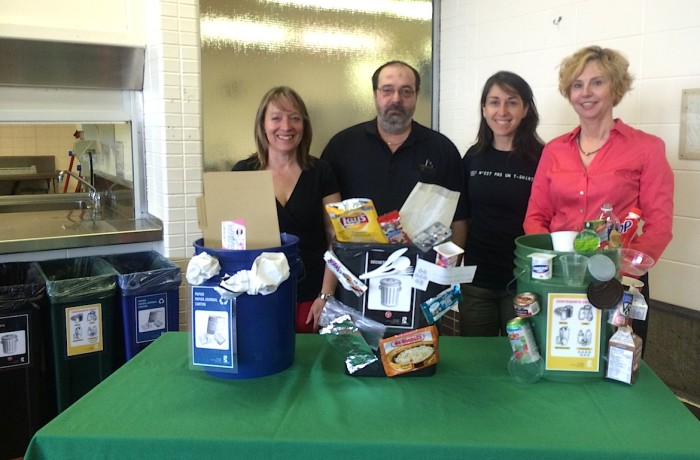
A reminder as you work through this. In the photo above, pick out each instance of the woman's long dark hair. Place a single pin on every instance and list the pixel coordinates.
(526, 143)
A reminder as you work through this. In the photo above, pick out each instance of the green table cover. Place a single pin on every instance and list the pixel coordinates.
(157, 407)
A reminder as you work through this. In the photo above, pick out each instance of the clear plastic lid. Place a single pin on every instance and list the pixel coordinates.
(601, 267)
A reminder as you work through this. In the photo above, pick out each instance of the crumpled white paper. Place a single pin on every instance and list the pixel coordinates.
(202, 267)
(269, 270)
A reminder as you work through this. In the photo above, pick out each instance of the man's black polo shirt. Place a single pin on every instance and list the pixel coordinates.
(366, 168)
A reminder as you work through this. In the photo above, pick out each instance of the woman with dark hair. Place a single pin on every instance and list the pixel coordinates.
(498, 174)
(303, 186)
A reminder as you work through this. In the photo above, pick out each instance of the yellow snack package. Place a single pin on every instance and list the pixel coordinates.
(355, 220)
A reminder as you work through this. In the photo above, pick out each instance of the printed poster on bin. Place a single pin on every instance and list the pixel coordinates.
(150, 313)
(390, 299)
(213, 331)
(573, 333)
(14, 341)
(84, 329)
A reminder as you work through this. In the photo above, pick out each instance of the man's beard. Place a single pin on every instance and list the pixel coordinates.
(396, 123)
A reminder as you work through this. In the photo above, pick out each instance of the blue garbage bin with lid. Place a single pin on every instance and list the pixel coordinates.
(81, 293)
(264, 324)
(25, 385)
(148, 291)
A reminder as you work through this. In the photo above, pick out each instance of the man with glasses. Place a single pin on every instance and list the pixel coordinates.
(383, 159)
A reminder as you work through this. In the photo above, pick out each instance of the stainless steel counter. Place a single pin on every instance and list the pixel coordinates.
(70, 222)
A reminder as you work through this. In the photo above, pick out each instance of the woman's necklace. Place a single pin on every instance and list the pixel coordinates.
(583, 152)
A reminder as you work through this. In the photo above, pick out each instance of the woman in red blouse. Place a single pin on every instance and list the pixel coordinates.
(603, 160)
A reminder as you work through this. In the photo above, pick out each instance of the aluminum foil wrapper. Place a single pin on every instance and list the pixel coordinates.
(373, 331)
(347, 338)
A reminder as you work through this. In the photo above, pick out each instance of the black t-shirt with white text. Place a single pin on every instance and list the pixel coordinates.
(496, 193)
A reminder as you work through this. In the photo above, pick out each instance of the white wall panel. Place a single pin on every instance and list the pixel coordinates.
(549, 29)
(687, 196)
(675, 283)
(118, 22)
(684, 247)
(604, 20)
(662, 98)
(662, 15)
(662, 41)
(673, 53)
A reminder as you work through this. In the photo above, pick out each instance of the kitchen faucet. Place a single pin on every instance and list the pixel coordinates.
(94, 194)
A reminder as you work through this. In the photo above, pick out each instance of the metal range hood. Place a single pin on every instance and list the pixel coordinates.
(41, 63)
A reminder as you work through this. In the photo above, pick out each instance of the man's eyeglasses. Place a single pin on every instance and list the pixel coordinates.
(405, 92)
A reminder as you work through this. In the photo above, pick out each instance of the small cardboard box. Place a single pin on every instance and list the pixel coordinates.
(241, 195)
(624, 355)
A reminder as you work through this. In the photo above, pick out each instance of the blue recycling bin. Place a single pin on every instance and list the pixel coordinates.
(82, 295)
(25, 384)
(264, 324)
(148, 294)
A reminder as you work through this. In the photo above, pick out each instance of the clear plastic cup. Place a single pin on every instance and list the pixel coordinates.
(574, 267)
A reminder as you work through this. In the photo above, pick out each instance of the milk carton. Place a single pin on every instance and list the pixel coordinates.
(624, 355)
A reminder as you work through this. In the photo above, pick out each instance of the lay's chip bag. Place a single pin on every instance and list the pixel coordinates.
(355, 220)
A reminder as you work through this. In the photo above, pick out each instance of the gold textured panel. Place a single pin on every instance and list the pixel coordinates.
(326, 50)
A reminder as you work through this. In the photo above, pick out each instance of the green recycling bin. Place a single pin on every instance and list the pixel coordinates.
(571, 334)
(82, 296)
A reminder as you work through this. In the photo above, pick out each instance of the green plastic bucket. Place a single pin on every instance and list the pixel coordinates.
(571, 334)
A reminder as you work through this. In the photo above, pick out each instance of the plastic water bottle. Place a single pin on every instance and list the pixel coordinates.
(612, 225)
(525, 365)
(525, 372)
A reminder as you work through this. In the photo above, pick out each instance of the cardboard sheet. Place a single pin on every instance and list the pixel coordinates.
(239, 195)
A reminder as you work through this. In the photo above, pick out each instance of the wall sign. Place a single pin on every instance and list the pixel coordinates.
(689, 145)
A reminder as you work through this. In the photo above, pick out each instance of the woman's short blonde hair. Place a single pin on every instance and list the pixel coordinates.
(611, 62)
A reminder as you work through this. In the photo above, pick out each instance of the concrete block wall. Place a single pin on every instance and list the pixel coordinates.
(661, 40)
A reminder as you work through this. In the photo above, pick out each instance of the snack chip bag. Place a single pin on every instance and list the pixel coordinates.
(355, 220)
(391, 226)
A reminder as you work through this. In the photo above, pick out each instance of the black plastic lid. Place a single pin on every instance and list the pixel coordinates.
(605, 294)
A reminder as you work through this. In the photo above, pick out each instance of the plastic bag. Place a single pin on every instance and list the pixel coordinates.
(427, 203)
(371, 330)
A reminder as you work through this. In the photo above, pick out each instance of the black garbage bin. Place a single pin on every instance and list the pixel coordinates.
(148, 291)
(24, 378)
(81, 292)
(389, 300)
